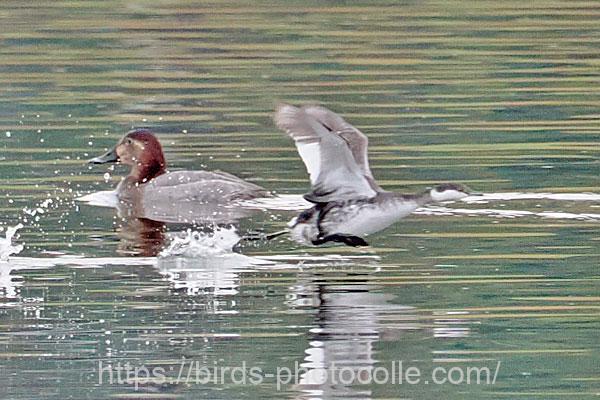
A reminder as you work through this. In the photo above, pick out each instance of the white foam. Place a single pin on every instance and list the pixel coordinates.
(202, 262)
(200, 244)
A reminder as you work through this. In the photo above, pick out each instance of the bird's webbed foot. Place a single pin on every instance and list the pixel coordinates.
(348, 240)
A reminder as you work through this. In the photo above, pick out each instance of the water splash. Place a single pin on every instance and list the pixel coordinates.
(205, 263)
(6, 246)
(202, 244)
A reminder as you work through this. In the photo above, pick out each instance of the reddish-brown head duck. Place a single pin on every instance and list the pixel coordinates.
(151, 187)
(142, 151)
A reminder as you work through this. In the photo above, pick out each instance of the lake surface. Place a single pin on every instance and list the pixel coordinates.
(503, 96)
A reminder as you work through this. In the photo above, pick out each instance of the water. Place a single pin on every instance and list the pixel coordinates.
(502, 96)
(7, 247)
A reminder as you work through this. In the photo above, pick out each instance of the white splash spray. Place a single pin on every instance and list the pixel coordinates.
(6, 246)
(220, 242)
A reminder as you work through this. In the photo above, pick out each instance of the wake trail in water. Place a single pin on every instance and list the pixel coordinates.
(293, 202)
(220, 243)
(283, 202)
(487, 197)
(444, 211)
(105, 198)
(297, 203)
(514, 196)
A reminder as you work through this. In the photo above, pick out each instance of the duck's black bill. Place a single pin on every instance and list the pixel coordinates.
(108, 157)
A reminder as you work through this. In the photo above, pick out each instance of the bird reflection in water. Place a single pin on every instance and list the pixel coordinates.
(354, 318)
(143, 230)
(348, 325)
(141, 237)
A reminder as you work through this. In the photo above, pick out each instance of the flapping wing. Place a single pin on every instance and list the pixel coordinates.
(334, 172)
(356, 140)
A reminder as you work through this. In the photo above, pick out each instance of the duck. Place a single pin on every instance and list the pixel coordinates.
(348, 204)
(153, 192)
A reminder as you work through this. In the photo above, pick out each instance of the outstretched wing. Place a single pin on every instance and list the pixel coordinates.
(356, 140)
(334, 172)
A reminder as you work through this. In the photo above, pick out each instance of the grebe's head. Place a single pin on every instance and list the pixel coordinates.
(140, 149)
(449, 192)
